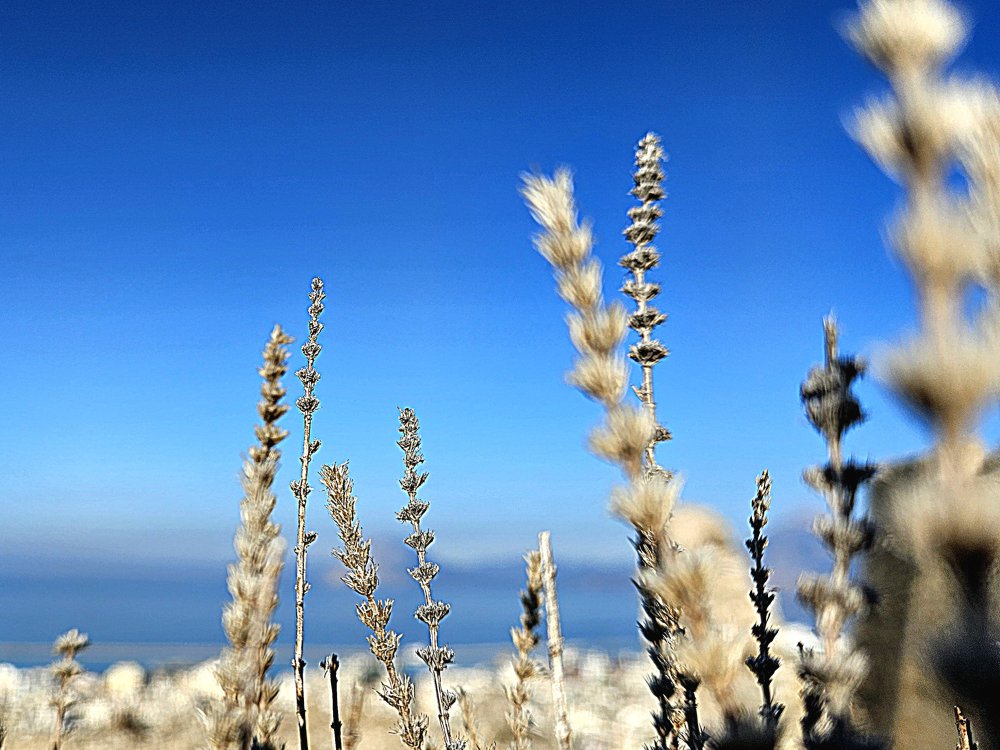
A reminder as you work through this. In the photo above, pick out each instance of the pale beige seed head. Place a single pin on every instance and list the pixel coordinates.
(601, 378)
(688, 581)
(623, 437)
(580, 285)
(948, 382)
(908, 37)
(70, 642)
(718, 660)
(939, 244)
(598, 332)
(550, 200)
(564, 250)
(937, 518)
(647, 503)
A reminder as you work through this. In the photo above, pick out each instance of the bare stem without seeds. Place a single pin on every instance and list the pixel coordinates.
(564, 734)
(330, 666)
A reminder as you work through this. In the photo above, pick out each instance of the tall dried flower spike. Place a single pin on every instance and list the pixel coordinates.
(307, 404)
(245, 716)
(648, 178)
(68, 645)
(949, 372)
(833, 676)
(525, 640)
(362, 579)
(934, 125)
(628, 433)
(431, 612)
(764, 664)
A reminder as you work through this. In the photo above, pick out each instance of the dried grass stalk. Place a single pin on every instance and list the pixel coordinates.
(65, 671)
(832, 677)
(764, 664)
(564, 733)
(362, 578)
(629, 434)
(307, 403)
(525, 640)
(245, 716)
(431, 612)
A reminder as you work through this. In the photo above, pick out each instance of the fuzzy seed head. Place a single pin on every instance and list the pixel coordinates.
(623, 437)
(908, 37)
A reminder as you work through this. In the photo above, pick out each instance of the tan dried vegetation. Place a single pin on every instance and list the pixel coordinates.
(718, 675)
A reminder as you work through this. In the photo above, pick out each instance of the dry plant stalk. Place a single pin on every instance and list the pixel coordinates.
(764, 664)
(307, 403)
(832, 677)
(245, 716)
(950, 370)
(469, 720)
(597, 331)
(648, 189)
(68, 645)
(964, 728)
(356, 708)
(525, 640)
(554, 639)
(331, 666)
(431, 612)
(362, 578)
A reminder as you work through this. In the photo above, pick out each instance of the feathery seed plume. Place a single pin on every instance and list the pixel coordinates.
(245, 716)
(362, 578)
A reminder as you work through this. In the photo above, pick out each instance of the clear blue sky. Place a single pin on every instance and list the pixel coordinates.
(172, 175)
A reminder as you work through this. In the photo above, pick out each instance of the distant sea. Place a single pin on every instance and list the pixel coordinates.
(169, 614)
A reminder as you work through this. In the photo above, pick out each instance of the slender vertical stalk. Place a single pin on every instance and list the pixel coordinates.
(307, 404)
(764, 664)
(964, 728)
(330, 666)
(68, 645)
(468, 718)
(832, 409)
(431, 612)
(648, 179)
(245, 716)
(694, 734)
(525, 640)
(597, 331)
(564, 734)
(362, 578)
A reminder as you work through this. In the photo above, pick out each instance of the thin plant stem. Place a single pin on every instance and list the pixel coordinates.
(525, 640)
(362, 578)
(246, 717)
(648, 189)
(597, 331)
(832, 677)
(764, 664)
(964, 728)
(331, 666)
(564, 734)
(68, 645)
(431, 612)
(694, 735)
(307, 404)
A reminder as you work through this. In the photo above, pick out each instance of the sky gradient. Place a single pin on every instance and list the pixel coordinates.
(173, 175)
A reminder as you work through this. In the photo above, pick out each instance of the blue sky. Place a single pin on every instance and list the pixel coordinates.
(173, 175)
